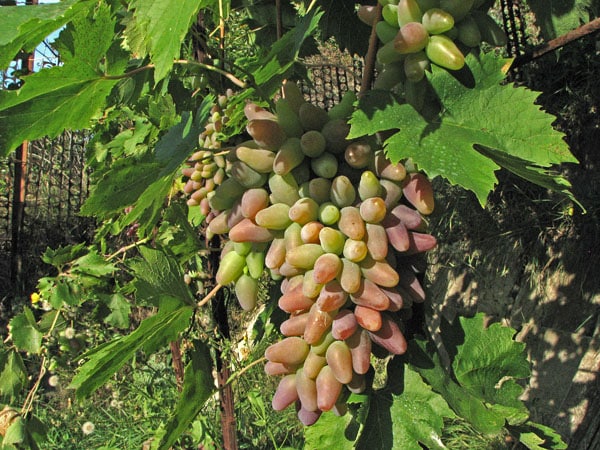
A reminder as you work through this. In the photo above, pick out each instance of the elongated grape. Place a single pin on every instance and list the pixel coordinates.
(389, 13)
(410, 282)
(313, 143)
(360, 349)
(235, 215)
(286, 393)
(408, 216)
(385, 32)
(310, 232)
(252, 201)
(325, 165)
(261, 160)
(359, 154)
(339, 358)
(389, 336)
(326, 268)
(396, 298)
(304, 256)
(275, 255)
(368, 318)
(411, 38)
(294, 300)
(420, 242)
(276, 368)
(288, 270)
(267, 133)
(294, 326)
(293, 94)
(328, 389)
(379, 272)
(344, 108)
(370, 295)
(437, 21)
(457, 8)
(246, 176)
(312, 117)
(284, 189)
(332, 296)
(247, 230)
(408, 11)
(218, 225)
(253, 111)
(369, 185)
(304, 210)
(310, 287)
(290, 350)
(274, 217)
(442, 51)
(351, 223)
(255, 262)
(307, 417)
(377, 241)
(313, 364)
(468, 32)
(317, 324)
(319, 189)
(343, 192)
(307, 391)
(344, 324)
(397, 234)
(415, 66)
(329, 214)
(367, 14)
(354, 250)
(372, 209)
(288, 156)
(358, 383)
(292, 236)
(288, 118)
(351, 276)
(321, 346)
(335, 132)
(230, 268)
(246, 291)
(226, 194)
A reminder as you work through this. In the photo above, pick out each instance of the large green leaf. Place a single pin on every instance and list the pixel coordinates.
(13, 374)
(157, 29)
(487, 113)
(25, 333)
(536, 436)
(105, 360)
(24, 27)
(561, 16)
(332, 431)
(68, 96)
(198, 386)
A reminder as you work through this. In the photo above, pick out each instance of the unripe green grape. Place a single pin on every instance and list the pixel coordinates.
(386, 32)
(344, 108)
(325, 166)
(290, 350)
(313, 365)
(267, 133)
(320, 347)
(284, 189)
(342, 191)
(457, 8)
(319, 189)
(415, 66)
(313, 143)
(369, 185)
(230, 268)
(246, 291)
(437, 21)
(289, 156)
(255, 262)
(304, 256)
(287, 118)
(442, 51)
(312, 117)
(328, 389)
(242, 248)
(335, 132)
(304, 210)
(274, 217)
(389, 12)
(246, 176)
(226, 194)
(310, 287)
(292, 93)
(411, 38)
(351, 223)
(351, 276)
(468, 32)
(408, 11)
(332, 240)
(355, 250)
(391, 76)
(387, 54)
(307, 391)
(258, 159)
(329, 214)
(301, 172)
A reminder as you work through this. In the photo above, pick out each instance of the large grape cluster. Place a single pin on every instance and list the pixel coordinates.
(416, 33)
(337, 223)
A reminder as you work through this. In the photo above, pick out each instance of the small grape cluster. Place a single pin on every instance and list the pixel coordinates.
(206, 168)
(416, 33)
(338, 223)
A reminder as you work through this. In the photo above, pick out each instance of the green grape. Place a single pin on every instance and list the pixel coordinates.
(389, 12)
(369, 185)
(259, 159)
(387, 54)
(351, 223)
(230, 268)
(288, 118)
(284, 189)
(310, 287)
(313, 143)
(377, 241)
(408, 12)
(442, 51)
(248, 231)
(255, 262)
(292, 236)
(344, 108)
(411, 38)
(415, 66)
(426, 5)
(320, 347)
(312, 117)
(437, 21)
(319, 189)
(332, 240)
(351, 276)
(335, 132)
(292, 93)
(313, 365)
(355, 250)
(307, 391)
(246, 291)
(253, 200)
(468, 32)
(339, 358)
(329, 214)
(301, 172)
(226, 194)
(246, 176)
(328, 389)
(242, 248)
(275, 255)
(289, 156)
(304, 256)
(391, 76)
(325, 166)
(274, 217)
(386, 32)
(290, 350)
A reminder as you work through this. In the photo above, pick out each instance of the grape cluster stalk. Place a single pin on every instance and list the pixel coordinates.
(339, 225)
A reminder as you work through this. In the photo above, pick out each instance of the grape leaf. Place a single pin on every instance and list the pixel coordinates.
(106, 359)
(331, 431)
(62, 97)
(158, 28)
(487, 365)
(119, 311)
(536, 436)
(488, 114)
(24, 27)
(561, 16)
(13, 374)
(25, 333)
(198, 386)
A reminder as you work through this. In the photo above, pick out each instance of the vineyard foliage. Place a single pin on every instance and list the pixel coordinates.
(129, 74)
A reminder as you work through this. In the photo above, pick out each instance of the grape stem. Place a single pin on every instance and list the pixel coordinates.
(371, 55)
(245, 369)
(210, 295)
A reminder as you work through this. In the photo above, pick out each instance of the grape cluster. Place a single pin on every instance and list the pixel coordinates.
(416, 33)
(337, 222)
(206, 168)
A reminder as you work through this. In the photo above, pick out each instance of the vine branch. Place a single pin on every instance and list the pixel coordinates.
(371, 55)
